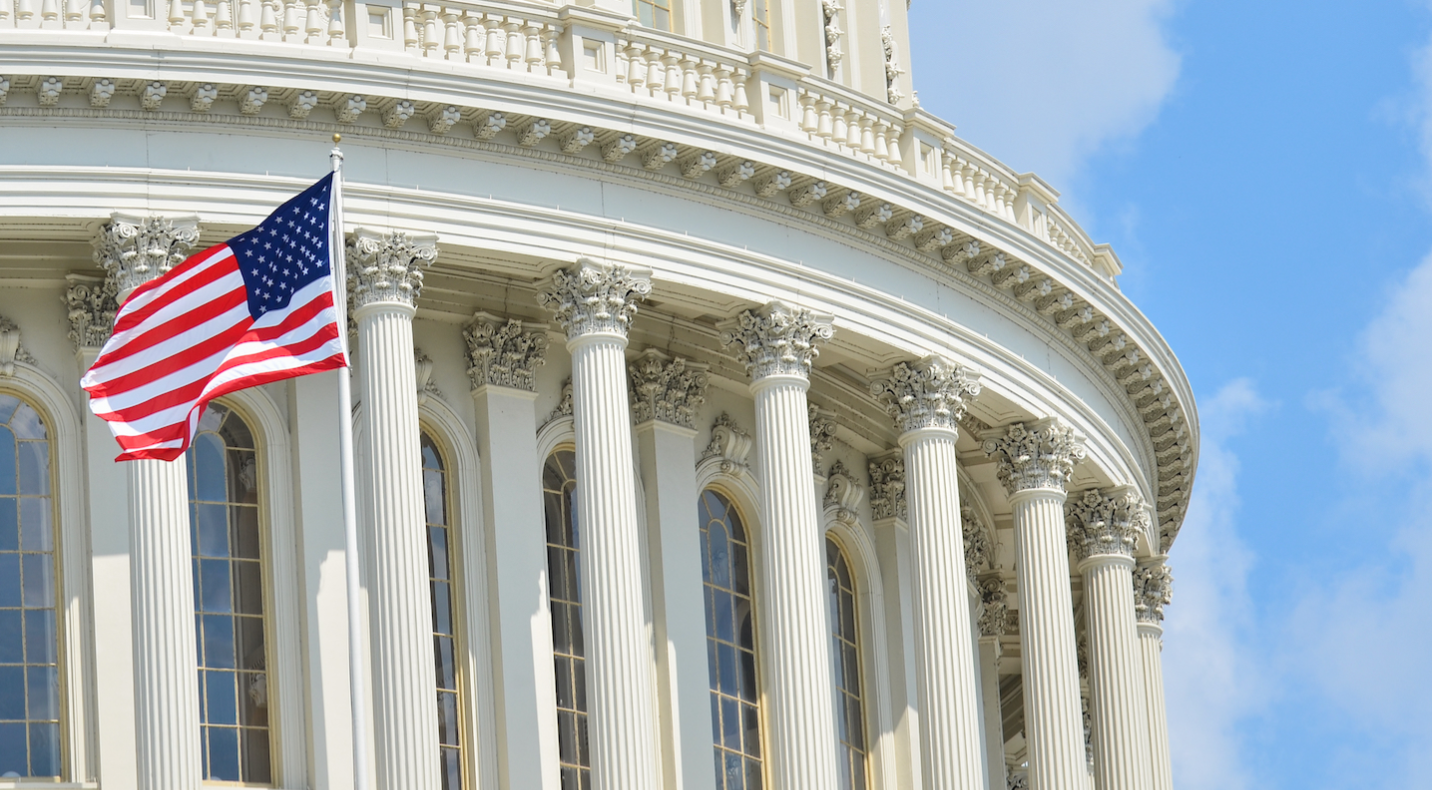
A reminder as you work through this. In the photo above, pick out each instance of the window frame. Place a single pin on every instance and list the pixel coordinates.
(862, 640)
(457, 584)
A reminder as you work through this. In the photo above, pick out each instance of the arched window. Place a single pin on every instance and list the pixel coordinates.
(30, 700)
(654, 14)
(441, 579)
(730, 644)
(229, 568)
(564, 588)
(845, 664)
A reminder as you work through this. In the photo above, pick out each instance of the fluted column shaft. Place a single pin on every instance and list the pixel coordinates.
(400, 615)
(166, 692)
(1151, 655)
(950, 732)
(619, 676)
(801, 713)
(1053, 722)
(1116, 682)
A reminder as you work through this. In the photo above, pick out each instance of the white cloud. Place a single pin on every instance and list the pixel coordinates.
(1213, 680)
(1043, 84)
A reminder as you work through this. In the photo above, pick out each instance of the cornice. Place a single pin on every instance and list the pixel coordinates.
(546, 97)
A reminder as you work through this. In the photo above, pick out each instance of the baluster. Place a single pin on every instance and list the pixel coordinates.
(852, 129)
(655, 72)
(979, 179)
(825, 126)
(743, 102)
(707, 92)
(474, 36)
(410, 28)
(290, 20)
(952, 174)
(690, 80)
(867, 134)
(201, 18)
(74, 13)
(224, 19)
(452, 35)
(97, 18)
(268, 19)
(5, 20)
(532, 33)
(49, 12)
(838, 130)
(551, 34)
(882, 135)
(674, 82)
(495, 39)
(431, 38)
(337, 31)
(515, 41)
(725, 91)
(313, 24)
(176, 15)
(809, 121)
(622, 61)
(25, 12)
(636, 67)
(892, 146)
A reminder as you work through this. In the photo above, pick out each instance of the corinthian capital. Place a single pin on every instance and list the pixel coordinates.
(994, 607)
(1106, 522)
(91, 303)
(887, 487)
(134, 250)
(1153, 590)
(930, 393)
(504, 353)
(387, 267)
(777, 339)
(666, 389)
(1039, 455)
(595, 297)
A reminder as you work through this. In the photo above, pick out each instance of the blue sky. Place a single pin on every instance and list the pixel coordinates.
(1264, 170)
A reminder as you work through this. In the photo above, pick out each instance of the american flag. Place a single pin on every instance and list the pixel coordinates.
(256, 309)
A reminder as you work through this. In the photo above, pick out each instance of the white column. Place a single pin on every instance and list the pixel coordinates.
(927, 400)
(1104, 528)
(1035, 462)
(1153, 590)
(665, 396)
(595, 302)
(384, 280)
(777, 345)
(892, 545)
(166, 691)
(994, 615)
(91, 304)
(503, 357)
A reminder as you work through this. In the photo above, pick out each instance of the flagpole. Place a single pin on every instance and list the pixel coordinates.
(345, 462)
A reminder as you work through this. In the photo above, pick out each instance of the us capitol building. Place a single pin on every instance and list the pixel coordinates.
(724, 421)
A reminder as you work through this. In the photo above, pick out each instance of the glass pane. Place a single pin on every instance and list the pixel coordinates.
(8, 404)
(245, 536)
(8, 461)
(446, 662)
(219, 641)
(221, 698)
(250, 647)
(213, 527)
(12, 693)
(452, 769)
(39, 578)
(12, 748)
(27, 424)
(447, 718)
(223, 754)
(211, 478)
(248, 588)
(41, 640)
(437, 552)
(9, 524)
(34, 468)
(253, 699)
(433, 497)
(215, 589)
(442, 614)
(12, 644)
(43, 690)
(36, 532)
(44, 749)
(256, 756)
(10, 582)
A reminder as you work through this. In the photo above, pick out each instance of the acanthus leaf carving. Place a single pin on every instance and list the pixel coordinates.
(930, 393)
(388, 267)
(1038, 455)
(10, 349)
(777, 339)
(1106, 522)
(887, 487)
(423, 372)
(979, 551)
(504, 353)
(1153, 590)
(134, 250)
(994, 607)
(564, 404)
(90, 303)
(822, 434)
(666, 389)
(594, 297)
(729, 444)
(843, 493)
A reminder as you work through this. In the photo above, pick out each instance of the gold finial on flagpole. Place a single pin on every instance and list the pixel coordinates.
(337, 138)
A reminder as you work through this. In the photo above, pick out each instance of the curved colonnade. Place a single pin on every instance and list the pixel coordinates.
(861, 332)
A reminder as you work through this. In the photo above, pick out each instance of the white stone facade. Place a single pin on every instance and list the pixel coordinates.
(612, 264)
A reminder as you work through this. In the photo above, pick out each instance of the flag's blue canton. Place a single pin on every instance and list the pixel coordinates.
(288, 251)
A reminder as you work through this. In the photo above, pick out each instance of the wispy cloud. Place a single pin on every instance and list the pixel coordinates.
(1213, 680)
(1056, 83)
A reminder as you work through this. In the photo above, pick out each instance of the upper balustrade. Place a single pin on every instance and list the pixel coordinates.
(580, 47)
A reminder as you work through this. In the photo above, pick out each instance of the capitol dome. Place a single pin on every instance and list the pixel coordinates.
(695, 366)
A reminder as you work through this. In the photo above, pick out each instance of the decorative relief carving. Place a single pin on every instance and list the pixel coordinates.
(595, 297)
(10, 349)
(504, 354)
(843, 493)
(729, 443)
(887, 488)
(1015, 780)
(564, 404)
(1088, 732)
(833, 54)
(1041, 455)
(979, 552)
(822, 434)
(135, 250)
(1153, 590)
(666, 389)
(91, 305)
(387, 267)
(777, 339)
(930, 393)
(892, 66)
(994, 607)
(423, 371)
(1106, 522)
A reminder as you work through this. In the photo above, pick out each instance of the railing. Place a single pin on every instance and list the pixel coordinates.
(653, 66)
